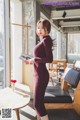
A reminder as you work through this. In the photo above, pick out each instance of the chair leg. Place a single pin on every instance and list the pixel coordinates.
(52, 81)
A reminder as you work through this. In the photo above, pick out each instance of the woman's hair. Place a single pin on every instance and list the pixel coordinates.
(46, 25)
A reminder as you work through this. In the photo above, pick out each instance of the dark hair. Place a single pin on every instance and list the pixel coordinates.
(46, 25)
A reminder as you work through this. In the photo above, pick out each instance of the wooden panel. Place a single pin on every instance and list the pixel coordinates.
(75, 105)
(58, 105)
(64, 85)
(77, 108)
(77, 99)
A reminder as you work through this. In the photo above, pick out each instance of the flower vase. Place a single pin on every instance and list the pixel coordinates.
(13, 86)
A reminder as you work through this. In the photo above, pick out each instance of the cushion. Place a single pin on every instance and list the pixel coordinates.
(72, 76)
(54, 94)
(66, 71)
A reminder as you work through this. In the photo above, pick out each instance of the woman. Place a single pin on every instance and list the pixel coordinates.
(42, 55)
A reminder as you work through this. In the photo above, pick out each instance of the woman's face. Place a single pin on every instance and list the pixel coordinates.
(40, 30)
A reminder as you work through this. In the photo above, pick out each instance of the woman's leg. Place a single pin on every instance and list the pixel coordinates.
(39, 91)
(38, 117)
(42, 118)
(45, 117)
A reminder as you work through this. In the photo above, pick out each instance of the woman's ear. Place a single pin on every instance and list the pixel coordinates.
(36, 32)
(46, 31)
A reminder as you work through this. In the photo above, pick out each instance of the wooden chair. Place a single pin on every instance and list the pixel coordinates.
(59, 97)
(53, 70)
(61, 64)
(56, 67)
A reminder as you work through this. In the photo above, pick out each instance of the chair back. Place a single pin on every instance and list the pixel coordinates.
(53, 65)
(53, 69)
(61, 64)
(72, 76)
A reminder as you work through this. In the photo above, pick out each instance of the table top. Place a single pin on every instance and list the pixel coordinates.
(13, 99)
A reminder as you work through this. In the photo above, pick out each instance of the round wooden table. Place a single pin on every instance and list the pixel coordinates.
(13, 99)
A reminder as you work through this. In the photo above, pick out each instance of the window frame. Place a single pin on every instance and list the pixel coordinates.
(7, 42)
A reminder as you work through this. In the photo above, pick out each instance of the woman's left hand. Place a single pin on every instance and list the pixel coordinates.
(31, 61)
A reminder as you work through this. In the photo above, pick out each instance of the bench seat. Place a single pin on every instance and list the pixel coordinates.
(56, 95)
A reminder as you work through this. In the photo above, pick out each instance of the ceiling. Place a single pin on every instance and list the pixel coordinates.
(64, 13)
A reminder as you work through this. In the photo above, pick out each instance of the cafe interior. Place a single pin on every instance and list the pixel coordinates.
(18, 19)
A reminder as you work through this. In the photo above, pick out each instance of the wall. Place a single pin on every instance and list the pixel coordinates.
(28, 78)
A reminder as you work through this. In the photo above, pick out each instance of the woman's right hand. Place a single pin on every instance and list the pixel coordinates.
(29, 61)
(26, 61)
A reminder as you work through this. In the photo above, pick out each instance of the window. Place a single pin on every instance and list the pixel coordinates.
(2, 50)
(16, 39)
(73, 47)
(54, 36)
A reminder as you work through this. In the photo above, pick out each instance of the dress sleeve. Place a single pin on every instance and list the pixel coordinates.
(49, 57)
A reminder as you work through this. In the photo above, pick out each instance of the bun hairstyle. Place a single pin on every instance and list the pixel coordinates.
(46, 25)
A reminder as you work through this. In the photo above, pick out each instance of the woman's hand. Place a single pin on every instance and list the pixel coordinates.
(26, 61)
(29, 61)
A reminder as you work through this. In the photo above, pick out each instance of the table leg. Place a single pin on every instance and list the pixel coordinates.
(17, 114)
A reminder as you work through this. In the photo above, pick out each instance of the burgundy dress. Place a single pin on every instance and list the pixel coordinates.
(42, 55)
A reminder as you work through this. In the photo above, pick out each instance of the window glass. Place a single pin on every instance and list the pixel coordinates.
(2, 50)
(53, 35)
(73, 47)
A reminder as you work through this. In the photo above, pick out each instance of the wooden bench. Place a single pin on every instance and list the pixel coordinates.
(58, 97)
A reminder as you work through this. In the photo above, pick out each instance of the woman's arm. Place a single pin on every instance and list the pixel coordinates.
(49, 57)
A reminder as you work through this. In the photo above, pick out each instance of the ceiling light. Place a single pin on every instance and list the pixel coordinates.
(64, 14)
